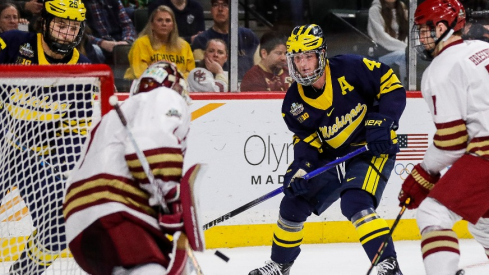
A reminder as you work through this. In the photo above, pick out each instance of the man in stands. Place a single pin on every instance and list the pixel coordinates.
(247, 40)
(271, 74)
(114, 221)
(61, 30)
(110, 26)
(455, 88)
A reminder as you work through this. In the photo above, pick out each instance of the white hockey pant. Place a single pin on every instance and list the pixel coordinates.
(433, 216)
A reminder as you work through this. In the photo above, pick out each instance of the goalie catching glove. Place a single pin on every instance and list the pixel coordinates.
(380, 134)
(295, 184)
(416, 187)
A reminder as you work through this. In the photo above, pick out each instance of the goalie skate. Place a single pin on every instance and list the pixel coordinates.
(272, 268)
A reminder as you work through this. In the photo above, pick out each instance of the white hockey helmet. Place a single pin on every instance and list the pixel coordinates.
(201, 80)
(161, 74)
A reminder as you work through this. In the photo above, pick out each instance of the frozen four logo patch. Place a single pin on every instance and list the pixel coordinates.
(296, 109)
(26, 50)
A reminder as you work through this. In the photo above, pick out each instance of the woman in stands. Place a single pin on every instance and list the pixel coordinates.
(9, 17)
(159, 40)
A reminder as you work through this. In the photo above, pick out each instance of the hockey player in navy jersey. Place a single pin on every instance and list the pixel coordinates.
(335, 106)
(60, 31)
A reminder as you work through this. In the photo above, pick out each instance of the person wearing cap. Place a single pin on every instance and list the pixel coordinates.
(60, 31)
(247, 40)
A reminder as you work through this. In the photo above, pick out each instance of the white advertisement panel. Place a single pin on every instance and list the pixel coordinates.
(248, 148)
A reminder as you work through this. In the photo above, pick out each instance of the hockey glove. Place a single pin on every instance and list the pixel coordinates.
(173, 221)
(416, 187)
(379, 133)
(295, 185)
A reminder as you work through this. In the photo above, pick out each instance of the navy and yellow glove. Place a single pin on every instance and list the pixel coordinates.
(294, 184)
(381, 138)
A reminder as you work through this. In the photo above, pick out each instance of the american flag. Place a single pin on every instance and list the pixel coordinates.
(413, 146)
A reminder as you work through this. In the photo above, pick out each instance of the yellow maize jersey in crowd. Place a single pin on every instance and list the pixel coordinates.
(142, 55)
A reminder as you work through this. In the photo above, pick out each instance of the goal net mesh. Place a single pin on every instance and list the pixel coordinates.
(44, 122)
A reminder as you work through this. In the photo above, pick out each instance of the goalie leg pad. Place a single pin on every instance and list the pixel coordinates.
(189, 187)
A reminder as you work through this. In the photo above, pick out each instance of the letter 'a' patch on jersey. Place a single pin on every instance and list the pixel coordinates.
(2, 44)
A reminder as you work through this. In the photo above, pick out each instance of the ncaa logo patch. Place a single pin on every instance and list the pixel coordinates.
(296, 109)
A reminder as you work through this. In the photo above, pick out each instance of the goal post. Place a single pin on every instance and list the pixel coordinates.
(46, 114)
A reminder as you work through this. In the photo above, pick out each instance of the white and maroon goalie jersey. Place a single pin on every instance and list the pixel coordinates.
(109, 177)
(455, 86)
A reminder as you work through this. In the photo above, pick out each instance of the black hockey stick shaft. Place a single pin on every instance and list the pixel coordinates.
(281, 189)
(382, 247)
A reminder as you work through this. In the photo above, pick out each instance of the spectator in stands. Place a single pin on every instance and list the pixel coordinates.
(247, 40)
(159, 40)
(9, 17)
(189, 16)
(388, 26)
(29, 10)
(110, 25)
(88, 49)
(271, 74)
(60, 31)
(209, 76)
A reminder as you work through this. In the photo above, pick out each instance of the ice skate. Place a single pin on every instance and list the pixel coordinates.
(460, 272)
(389, 266)
(272, 268)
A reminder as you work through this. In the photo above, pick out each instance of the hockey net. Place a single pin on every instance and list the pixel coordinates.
(46, 113)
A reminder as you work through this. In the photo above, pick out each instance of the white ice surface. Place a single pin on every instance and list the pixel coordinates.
(336, 259)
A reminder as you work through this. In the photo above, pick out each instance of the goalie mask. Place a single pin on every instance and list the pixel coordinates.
(304, 41)
(63, 24)
(427, 16)
(161, 74)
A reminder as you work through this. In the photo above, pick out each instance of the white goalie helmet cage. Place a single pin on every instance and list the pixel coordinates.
(161, 74)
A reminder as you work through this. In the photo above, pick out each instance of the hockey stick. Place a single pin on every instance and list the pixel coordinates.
(32, 153)
(281, 189)
(141, 157)
(382, 247)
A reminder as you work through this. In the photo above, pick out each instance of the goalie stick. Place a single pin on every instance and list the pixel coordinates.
(281, 189)
(141, 157)
(382, 247)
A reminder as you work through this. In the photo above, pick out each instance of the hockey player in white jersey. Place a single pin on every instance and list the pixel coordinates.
(455, 87)
(113, 220)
